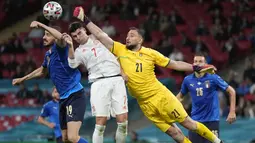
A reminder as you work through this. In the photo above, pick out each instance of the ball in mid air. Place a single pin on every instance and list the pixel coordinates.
(52, 10)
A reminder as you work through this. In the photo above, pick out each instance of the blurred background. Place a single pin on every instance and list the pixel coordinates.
(224, 30)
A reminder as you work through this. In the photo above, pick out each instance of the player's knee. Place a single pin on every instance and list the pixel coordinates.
(64, 139)
(101, 120)
(176, 134)
(99, 130)
(64, 136)
(123, 127)
(189, 124)
(122, 117)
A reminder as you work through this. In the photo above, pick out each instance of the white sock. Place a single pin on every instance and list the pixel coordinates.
(98, 135)
(217, 140)
(251, 113)
(121, 133)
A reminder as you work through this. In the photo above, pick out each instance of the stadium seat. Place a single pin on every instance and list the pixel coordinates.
(5, 58)
(156, 36)
(6, 74)
(20, 58)
(244, 47)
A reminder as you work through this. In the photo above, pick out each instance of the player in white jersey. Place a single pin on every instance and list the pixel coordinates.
(108, 91)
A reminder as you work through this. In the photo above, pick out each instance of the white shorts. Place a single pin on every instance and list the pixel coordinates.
(108, 97)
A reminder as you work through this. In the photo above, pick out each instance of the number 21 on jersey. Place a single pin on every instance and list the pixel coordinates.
(139, 67)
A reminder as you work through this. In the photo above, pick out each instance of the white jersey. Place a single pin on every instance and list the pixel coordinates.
(99, 61)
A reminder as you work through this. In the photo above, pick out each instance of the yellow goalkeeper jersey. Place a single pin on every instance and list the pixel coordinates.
(139, 67)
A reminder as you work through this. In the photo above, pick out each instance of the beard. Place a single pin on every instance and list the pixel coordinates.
(131, 47)
(49, 44)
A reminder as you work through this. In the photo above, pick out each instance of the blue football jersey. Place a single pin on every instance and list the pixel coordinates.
(204, 95)
(66, 79)
(50, 110)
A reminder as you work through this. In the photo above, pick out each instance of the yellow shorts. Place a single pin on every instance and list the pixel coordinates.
(163, 109)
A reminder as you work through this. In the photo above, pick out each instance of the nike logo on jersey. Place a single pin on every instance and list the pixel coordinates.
(192, 85)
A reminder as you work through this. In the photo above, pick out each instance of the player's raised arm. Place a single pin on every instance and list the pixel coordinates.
(39, 72)
(54, 32)
(94, 29)
(180, 66)
(163, 61)
(74, 59)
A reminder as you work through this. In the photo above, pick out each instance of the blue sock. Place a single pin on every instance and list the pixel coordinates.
(82, 140)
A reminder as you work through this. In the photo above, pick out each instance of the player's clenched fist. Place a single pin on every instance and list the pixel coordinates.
(67, 38)
(17, 81)
(51, 125)
(35, 24)
(79, 13)
(231, 117)
(204, 69)
(208, 69)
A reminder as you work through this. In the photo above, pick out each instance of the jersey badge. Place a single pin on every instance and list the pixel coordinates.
(207, 84)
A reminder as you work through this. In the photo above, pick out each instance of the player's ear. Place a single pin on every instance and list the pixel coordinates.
(141, 40)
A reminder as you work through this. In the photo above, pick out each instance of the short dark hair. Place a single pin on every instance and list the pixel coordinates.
(74, 26)
(138, 31)
(200, 54)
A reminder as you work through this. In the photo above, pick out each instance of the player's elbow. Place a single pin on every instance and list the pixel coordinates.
(41, 72)
(231, 91)
(72, 63)
(39, 119)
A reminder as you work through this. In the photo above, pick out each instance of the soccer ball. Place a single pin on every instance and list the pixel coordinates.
(52, 10)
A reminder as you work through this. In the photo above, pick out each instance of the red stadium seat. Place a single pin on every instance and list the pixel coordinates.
(5, 58)
(20, 58)
(181, 28)
(6, 74)
(176, 40)
(31, 117)
(247, 31)
(244, 47)
(156, 36)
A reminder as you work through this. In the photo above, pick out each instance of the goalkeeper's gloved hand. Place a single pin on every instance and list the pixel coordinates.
(208, 69)
(197, 68)
(79, 13)
(204, 69)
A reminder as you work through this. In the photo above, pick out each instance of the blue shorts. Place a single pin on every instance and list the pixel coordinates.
(214, 126)
(59, 140)
(72, 108)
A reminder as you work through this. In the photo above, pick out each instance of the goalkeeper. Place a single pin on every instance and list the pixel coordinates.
(157, 103)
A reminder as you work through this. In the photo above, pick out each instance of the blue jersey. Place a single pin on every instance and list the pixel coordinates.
(204, 94)
(50, 110)
(66, 79)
